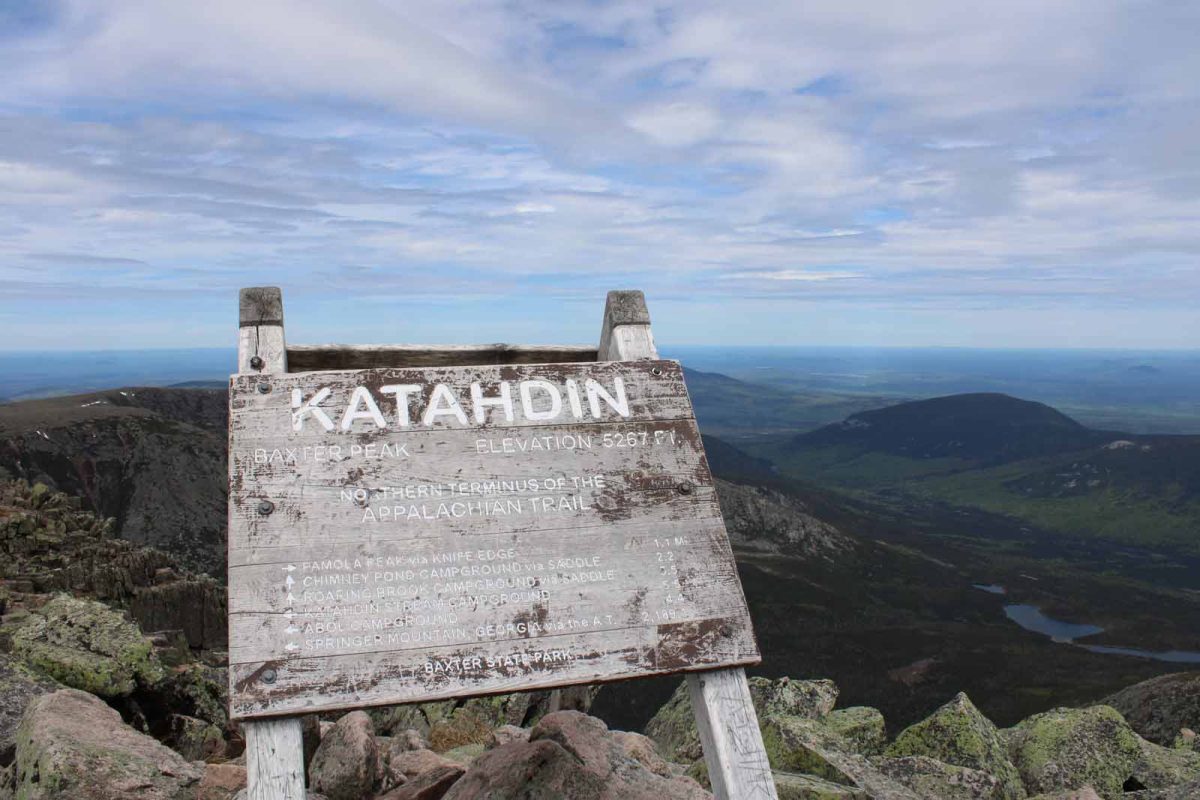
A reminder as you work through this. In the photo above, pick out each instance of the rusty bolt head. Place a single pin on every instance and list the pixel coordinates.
(265, 507)
(685, 488)
(269, 675)
(256, 362)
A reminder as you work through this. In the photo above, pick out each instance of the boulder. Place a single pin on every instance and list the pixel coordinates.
(810, 699)
(958, 734)
(642, 750)
(1160, 767)
(862, 728)
(810, 747)
(408, 739)
(19, 686)
(808, 787)
(221, 782)
(929, 777)
(1160, 707)
(569, 754)
(796, 744)
(1071, 748)
(87, 645)
(1086, 793)
(430, 785)
(346, 764)
(70, 744)
(506, 734)
(673, 728)
(404, 765)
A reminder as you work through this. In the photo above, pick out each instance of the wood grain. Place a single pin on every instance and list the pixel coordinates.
(274, 747)
(467, 561)
(733, 746)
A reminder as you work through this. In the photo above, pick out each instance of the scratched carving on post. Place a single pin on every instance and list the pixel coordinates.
(402, 535)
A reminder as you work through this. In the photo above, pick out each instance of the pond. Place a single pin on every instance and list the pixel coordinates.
(1031, 618)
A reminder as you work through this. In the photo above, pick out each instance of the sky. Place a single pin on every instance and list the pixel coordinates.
(1000, 174)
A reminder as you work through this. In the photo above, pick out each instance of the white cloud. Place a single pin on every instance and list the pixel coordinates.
(930, 152)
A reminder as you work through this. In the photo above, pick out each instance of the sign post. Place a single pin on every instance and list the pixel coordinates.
(409, 524)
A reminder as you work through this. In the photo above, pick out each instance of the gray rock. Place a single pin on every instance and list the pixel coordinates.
(958, 734)
(863, 729)
(506, 734)
(769, 521)
(221, 782)
(673, 727)
(430, 785)
(70, 744)
(1160, 707)
(568, 754)
(19, 686)
(808, 787)
(1161, 767)
(87, 645)
(1071, 748)
(931, 778)
(346, 764)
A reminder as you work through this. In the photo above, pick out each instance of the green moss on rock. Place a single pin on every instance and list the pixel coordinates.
(808, 787)
(673, 728)
(928, 777)
(796, 744)
(1160, 767)
(811, 699)
(958, 734)
(862, 728)
(1071, 748)
(86, 645)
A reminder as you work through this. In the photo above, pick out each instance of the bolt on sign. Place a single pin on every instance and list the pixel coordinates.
(405, 535)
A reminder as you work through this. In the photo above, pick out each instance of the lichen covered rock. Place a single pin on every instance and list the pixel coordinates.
(808, 787)
(673, 728)
(810, 699)
(929, 777)
(797, 744)
(1072, 748)
(862, 728)
(70, 744)
(958, 734)
(19, 686)
(87, 645)
(1160, 707)
(1160, 767)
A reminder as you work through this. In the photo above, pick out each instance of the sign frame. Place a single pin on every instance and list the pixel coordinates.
(733, 748)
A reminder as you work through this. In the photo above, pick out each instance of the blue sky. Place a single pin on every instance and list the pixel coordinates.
(1016, 174)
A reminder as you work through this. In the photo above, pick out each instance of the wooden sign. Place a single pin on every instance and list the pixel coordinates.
(404, 535)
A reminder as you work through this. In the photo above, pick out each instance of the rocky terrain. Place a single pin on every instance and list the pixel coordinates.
(151, 459)
(113, 686)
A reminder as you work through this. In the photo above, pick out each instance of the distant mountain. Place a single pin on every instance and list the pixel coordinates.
(983, 428)
(1015, 457)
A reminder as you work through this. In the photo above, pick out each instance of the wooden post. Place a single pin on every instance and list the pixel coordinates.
(733, 746)
(274, 747)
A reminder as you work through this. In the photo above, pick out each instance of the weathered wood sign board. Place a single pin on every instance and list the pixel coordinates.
(403, 535)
